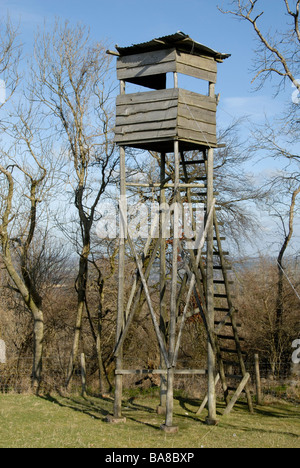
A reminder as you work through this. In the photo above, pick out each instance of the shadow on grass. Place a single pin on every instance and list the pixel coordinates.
(144, 415)
(84, 405)
(279, 411)
(195, 404)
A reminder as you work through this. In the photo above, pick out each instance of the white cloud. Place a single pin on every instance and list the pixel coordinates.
(18, 13)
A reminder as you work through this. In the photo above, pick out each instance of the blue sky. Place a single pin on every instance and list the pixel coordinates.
(124, 22)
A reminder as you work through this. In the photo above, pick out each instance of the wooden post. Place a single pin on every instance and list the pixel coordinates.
(204, 402)
(237, 394)
(232, 314)
(211, 358)
(168, 427)
(83, 375)
(258, 380)
(163, 309)
(121, 280)
(175, 80)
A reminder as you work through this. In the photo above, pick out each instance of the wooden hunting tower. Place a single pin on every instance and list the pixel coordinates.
(175, 121)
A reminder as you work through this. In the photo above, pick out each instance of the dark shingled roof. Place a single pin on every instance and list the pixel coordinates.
(180, 41)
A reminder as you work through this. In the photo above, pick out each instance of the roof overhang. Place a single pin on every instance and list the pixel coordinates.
(179, 41)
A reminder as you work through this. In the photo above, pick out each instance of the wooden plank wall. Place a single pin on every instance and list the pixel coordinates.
(169, 113)
(146, 64)
(204, 68)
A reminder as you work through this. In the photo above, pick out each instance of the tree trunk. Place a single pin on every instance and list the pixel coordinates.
(105, 385)
(38, 349)
(81, 294)
(37, 315)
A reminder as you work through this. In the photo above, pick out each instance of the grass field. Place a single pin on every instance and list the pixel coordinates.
(27, 421)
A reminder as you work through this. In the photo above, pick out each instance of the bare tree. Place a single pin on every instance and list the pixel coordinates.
(277, 55)
(238, 191)
(10, 54)
(284, 209)
(71, 74)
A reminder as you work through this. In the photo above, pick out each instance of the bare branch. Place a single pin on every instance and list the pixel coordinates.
(285, 67)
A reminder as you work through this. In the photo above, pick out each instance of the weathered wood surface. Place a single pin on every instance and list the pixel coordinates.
(237, 394)
(204, 403)
(146, 64)
(210, 305)
(204, 68)
(160, 372)
(2, 352)
(258, 381)
(137, 66)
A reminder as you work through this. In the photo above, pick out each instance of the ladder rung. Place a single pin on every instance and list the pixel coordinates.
(231, 338)
(222, 282)
(227, 324)
(232, 351)
(222, 296)
(226, 337)
(188, 163)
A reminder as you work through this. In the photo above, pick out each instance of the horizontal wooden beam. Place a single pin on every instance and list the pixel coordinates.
(157, 185)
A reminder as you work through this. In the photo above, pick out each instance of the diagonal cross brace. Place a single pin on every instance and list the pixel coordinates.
(148, 298)
(199, 245)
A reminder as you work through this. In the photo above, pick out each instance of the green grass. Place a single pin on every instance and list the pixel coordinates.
(27, 421)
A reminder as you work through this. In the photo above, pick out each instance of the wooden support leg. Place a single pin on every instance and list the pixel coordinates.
(173, 308)
(237, 394)
(161, 409)
(211, 358)
(204, 402)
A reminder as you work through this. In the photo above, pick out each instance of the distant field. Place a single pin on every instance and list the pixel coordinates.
(27, 421)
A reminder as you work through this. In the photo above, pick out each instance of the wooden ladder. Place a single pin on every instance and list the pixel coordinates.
(225, 337)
